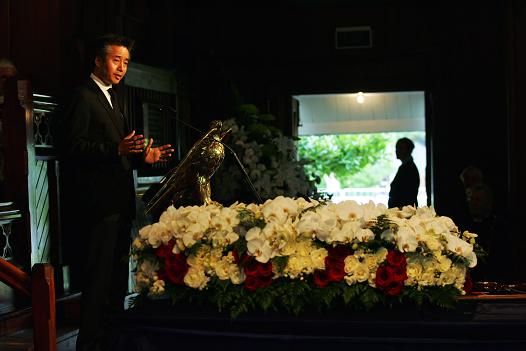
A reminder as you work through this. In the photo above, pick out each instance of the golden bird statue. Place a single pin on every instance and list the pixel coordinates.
(190, 179)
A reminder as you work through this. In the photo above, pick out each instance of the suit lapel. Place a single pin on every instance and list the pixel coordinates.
(117, 121)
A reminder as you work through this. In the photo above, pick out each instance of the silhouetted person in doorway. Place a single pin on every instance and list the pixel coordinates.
(404, 187)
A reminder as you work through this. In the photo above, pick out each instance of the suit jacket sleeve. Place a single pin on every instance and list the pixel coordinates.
(80, 139)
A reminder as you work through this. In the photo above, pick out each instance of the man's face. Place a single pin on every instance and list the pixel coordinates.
(113, 67)
(401, 150)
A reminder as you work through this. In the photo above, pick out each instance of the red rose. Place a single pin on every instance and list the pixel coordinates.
(335, 269)
(251, 283)
(394, 289)
(251, 268)
(383, 277)
(390, 279)
(245, 258)
(265, 281)
(264, 269)
(396, 259)
(320, 279)
(165, 249)
(339, 252)
(175, 268)
(398, 274)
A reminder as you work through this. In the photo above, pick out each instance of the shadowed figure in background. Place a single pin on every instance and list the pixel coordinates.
(404, 187)
(491, 230)
(470, 177)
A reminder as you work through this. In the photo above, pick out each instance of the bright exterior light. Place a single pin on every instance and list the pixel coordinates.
(360, 97)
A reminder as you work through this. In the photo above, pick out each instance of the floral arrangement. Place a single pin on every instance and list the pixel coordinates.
(269, 157)
(297, 254)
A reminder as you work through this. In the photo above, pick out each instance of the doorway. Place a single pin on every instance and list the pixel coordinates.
(350, 140)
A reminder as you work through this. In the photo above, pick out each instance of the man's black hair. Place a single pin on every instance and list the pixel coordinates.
(408, 143)
(101, 44)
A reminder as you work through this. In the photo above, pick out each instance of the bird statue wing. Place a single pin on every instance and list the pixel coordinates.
(179, 179)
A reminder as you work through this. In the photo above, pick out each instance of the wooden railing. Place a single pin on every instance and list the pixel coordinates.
(40, 286)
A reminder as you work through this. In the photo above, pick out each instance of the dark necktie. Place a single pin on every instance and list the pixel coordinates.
(116, 108)
(113, 98)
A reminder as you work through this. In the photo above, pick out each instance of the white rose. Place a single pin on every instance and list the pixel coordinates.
(444, 263)
(361, 272)
(370, 261)
(318, 258)
(137, 244)
(351, 262)
(414, 272)
(236, 275)
(432, 243)
(447, 278)
(196, 278)
(222, 270)
(157, 288)
(294, 266)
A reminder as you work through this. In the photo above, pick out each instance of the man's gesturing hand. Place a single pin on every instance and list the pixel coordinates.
(157, 154)
(131, 144)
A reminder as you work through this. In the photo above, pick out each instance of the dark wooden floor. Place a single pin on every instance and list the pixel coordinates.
(23, 340)
(16, 332)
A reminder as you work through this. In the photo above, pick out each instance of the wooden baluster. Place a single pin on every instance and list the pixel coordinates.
(43, 301)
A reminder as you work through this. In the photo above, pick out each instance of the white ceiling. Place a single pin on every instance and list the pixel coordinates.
(380, 112)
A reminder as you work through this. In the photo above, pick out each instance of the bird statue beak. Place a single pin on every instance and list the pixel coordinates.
(226, 134)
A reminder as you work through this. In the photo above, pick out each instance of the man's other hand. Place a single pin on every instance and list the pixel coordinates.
(157, 154)
(131, 144)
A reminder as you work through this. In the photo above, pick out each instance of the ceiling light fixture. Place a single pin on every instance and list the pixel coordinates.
(360, 97)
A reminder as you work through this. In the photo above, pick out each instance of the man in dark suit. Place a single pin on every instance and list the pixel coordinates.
(404, 187)
(99, 195)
